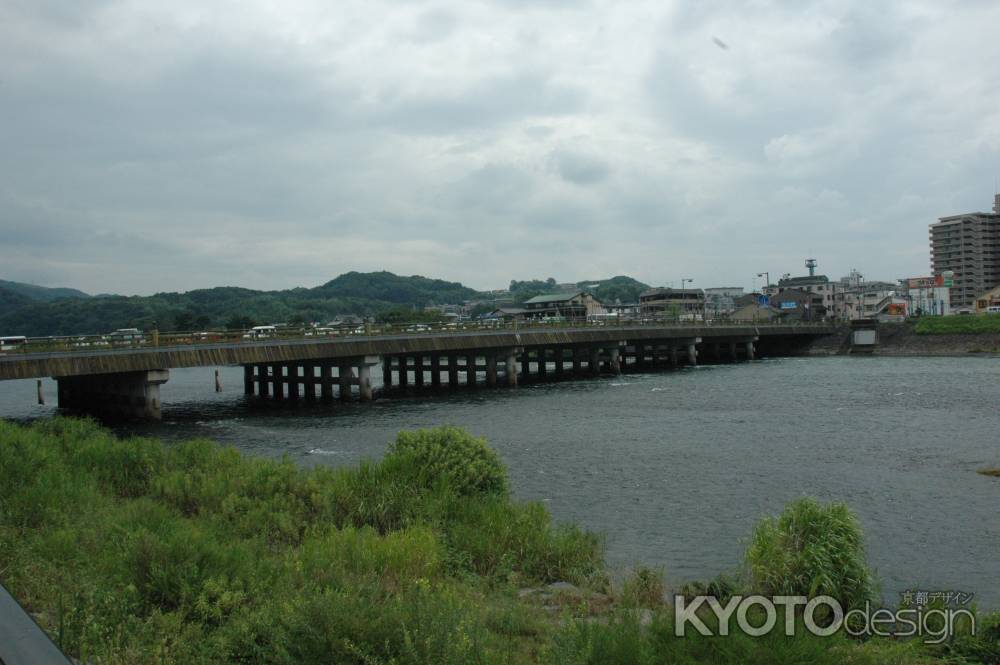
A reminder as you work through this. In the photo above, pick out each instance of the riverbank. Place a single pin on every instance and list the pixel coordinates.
(961, 336)
(129, 550)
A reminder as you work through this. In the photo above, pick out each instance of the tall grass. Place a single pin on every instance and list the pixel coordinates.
(811, 549)
(129, 551)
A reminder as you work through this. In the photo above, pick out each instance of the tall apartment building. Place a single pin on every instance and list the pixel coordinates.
(969, 246)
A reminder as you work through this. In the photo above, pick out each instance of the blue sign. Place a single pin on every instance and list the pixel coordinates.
(763, 301)
(788, 304)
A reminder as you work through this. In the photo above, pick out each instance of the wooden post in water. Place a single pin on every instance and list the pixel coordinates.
(218, 382)
(41, 393)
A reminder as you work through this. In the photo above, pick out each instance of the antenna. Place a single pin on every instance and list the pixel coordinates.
(811, 264)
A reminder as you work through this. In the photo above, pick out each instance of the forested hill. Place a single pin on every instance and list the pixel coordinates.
(35, 292)
(363, 294)
(37, 311)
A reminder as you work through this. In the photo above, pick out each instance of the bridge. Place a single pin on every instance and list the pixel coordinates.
(122, 379)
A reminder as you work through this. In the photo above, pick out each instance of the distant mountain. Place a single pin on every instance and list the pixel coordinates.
(379, 294)
(367, 294)
(40, 293)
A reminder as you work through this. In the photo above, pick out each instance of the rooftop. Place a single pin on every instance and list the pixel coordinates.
(553, 297)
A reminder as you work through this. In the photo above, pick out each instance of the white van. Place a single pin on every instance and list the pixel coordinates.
(261, 332)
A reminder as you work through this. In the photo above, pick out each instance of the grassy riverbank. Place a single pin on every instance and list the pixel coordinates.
(952, 325)
(131, 551)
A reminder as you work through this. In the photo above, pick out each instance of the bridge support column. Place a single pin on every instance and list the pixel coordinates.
(365, 377)
(692, 354)
(344, 376)
(541, 360)
(293, 381)
(470, 370)
(491, 370)
(121, 395)
(326, 381)
(749, 347)
(576, 361)
(511, 369)
(436, 370)
(558, 356)
(309, 383)
(386, 372)
(418, 371)
(278, 382)
(248, 379)
(452, 371)
(263, 380)
(595, 361)
(616, 364)
(525, 365)
(403, 365)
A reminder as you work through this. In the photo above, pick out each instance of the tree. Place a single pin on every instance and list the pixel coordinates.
(238, 322)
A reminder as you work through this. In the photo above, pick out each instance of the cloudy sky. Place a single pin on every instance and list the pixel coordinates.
(175, 144)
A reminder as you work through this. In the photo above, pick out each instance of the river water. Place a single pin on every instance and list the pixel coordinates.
(675, 467)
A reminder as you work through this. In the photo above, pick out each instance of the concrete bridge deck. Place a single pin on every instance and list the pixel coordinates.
(125, 381)
(106, 361)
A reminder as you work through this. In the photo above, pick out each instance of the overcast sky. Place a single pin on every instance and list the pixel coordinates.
(178, 144)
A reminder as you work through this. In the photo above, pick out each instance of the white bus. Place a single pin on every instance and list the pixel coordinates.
(14, 343)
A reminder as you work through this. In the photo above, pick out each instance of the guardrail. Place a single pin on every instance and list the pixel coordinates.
(156, 339)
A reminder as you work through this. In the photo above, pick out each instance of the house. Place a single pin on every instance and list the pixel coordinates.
(577, 305)
(989, 302)
(506, 313)
(754, 312)
(683, 304)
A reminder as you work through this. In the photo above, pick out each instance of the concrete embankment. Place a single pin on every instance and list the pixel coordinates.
(900, 339)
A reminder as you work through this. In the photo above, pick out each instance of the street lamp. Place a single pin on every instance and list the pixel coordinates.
(767, 280)
(684, 279)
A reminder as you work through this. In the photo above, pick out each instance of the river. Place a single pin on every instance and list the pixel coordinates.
(675, 467)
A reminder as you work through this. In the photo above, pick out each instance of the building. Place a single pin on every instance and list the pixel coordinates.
(798, 304)
(578, 305)
(824, 291)
(721, 301)
(927, 296)
(969, 246)
(506, 313)
(681, 304)
(989, 302)
(753, 312)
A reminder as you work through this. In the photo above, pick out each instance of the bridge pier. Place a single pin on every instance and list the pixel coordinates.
(125, 394)
(615, 362)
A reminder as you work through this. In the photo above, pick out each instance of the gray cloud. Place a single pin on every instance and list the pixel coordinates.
(174, 145)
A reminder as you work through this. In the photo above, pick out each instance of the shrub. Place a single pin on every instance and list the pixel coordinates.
(644, 588)
(452, 456)
(809, 550)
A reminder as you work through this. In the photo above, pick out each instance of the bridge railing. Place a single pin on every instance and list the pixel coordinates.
(155, 339)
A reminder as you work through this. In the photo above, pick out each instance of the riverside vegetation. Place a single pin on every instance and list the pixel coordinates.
(132, 551)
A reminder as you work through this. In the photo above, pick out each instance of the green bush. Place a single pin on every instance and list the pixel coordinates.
(810, 549)
(452, 456)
